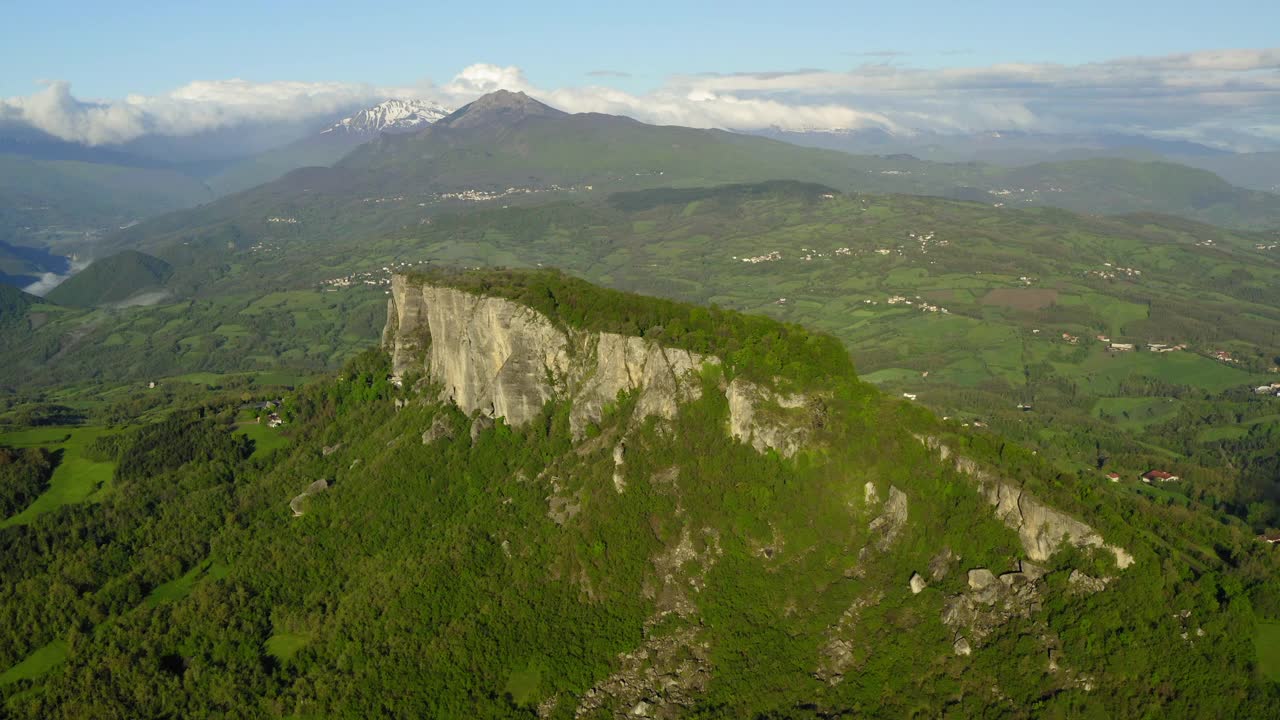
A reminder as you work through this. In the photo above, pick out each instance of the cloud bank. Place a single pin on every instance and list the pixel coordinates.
(193, 108)
(1230, 98)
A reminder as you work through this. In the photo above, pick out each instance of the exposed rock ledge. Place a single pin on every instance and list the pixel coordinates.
(504, 359)
(1042, 529)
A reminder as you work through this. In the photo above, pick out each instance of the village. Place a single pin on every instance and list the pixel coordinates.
(488, 196)
(1111, 272)
(377, 278)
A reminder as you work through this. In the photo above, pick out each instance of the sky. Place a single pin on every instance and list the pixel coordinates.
(902, 67)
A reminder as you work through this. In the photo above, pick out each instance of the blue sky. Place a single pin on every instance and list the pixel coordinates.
(110, 49)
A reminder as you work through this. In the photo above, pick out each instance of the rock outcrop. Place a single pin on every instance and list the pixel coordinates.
(299, 503)
(766, 419)
(501, 359)
(1042, 529)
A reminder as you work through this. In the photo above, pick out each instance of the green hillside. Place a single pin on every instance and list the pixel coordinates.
(1012, 283)
(267, 166)
(510, 150)
(113, 279)
(14, 304)
(651, 565)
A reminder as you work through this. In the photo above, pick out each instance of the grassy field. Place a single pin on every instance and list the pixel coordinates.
(964, 304)
(1267, 642)
(523, 684)
(265, 439)
(284, 645)
(180, 587)
(76, 478)
(36, 664)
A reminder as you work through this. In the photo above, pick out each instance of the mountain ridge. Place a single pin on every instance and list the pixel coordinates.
(394, 115)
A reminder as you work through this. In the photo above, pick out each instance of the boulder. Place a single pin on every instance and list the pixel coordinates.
(299, 502)
(917, 584)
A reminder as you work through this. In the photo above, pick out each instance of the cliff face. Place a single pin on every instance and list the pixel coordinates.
(1042, 529)
(503, 359)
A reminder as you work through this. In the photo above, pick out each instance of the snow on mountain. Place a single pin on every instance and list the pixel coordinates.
(391, 116)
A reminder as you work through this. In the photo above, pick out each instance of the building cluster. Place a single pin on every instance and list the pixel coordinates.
(487, 196)
(375, 201)
(767, 257)
(1111, 272)
(927, 239)
(283, 220)
(1151, 476)
(379, 277)
(917, 301)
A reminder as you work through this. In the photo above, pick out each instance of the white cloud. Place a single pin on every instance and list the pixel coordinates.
(193, 108)
(1228, 97)
(48, 281)
(483, 78)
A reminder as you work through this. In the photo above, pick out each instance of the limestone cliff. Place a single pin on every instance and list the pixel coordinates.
(503, 359)
(1042, 529)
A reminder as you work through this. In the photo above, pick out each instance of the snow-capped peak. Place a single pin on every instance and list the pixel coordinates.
(391, 116)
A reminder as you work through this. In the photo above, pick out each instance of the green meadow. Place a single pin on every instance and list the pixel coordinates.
(75, 479)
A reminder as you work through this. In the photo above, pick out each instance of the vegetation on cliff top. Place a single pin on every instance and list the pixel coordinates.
(753, 345)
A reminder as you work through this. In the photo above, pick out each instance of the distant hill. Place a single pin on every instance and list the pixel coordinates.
(1105, 186)
(1260, 171)
(329, 146)
(41, 196)
(512, 149)
(315, 151)
(113, 279)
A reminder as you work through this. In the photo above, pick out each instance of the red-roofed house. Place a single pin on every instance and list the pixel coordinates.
(1159, 475)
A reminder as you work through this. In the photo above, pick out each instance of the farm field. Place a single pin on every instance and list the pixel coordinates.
(265, 439)
(1267, 642)
(986, 314)
(36, 664)
(75, 479)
